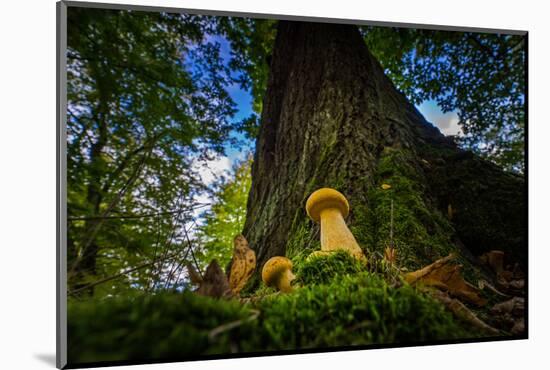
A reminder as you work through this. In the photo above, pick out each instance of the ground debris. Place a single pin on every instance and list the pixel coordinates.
(446, 276)
(510, 315)
(462, 312)
(214, 282)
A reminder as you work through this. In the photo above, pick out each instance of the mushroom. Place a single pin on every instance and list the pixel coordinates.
(277, 271)
(329, 207)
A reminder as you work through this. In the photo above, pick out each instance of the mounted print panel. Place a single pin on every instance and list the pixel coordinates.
(239, 185)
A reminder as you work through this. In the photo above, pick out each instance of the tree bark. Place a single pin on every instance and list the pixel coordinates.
(329, 115)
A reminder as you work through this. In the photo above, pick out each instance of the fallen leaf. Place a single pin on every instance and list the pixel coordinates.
(514, 306)
(390, 254)
(243, 264)
(214, 282)
(482, 284)
(414, 276)
(444, 275)
(495, 260)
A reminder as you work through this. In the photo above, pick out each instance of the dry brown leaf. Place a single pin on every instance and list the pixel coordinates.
(243, 264)
(214, 282)
(414, 276)
(444, 275)
(514, 306)
(495, 260)
(482, 284)
(390, 254)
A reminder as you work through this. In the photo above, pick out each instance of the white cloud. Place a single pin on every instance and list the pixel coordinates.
(210, 170)
(447, 123)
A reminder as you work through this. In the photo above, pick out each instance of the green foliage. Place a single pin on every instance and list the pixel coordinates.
(225, 219)
(146, 99)
(479, 75)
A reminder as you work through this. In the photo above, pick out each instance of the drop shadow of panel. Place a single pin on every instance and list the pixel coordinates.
(47, 358)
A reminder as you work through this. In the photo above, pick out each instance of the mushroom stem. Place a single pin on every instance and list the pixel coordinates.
(335, 233)
(328, 206)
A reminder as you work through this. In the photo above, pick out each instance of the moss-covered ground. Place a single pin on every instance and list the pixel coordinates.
(337, 301)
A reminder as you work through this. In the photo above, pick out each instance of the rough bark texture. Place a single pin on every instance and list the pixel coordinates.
(329, 115)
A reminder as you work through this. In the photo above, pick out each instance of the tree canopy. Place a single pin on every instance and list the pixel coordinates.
(147, 97)
(481, 76)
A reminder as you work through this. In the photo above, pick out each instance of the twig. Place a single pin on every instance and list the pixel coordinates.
(179, 264)
(84, 218)
(96, 227)
(232, 325)
(391, 224)
(462, 312)
(112, 277)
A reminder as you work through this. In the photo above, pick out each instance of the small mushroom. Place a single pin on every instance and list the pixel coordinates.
(277, 271)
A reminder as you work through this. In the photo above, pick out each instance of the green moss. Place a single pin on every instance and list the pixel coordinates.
(421, 233)
(304, 240)
(355, 309)
(165, 325)
(322, 269)
(350, 309)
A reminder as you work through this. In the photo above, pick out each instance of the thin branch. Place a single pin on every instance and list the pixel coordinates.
(110, 207)
(116, 276)
(233, 324)
(180, 264)
(84, 218)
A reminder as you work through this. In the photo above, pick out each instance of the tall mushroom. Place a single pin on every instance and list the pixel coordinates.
(277, 271)
(329, 207)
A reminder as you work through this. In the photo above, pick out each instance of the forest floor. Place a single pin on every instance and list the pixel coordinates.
(336, 302)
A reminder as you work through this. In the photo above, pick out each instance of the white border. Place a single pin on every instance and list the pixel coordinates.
(28, 181)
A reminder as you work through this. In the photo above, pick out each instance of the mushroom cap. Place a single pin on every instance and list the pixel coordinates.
(275, 267)
(326, 198)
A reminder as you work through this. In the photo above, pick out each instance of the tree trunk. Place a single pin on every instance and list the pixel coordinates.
(331, 118)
